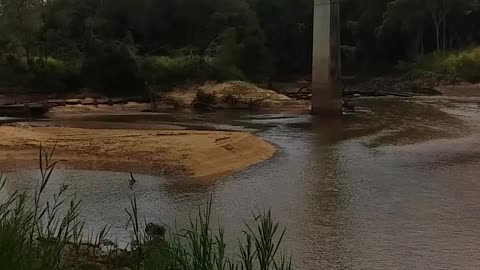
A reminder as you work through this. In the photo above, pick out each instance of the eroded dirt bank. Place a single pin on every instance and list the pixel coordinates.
(175, 152)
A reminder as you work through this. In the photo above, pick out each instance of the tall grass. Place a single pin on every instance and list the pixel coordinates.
(46, 233)
(200, 247)
(33, 234)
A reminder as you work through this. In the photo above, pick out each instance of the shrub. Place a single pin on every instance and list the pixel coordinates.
(255, 60)
(166, 71)
(42, 74)
(464, 64)
(169, 71)
(55, 75)
(468, 66)
(14, 71)
(225, 72)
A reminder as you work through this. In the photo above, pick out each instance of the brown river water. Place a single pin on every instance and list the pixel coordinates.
(395, 185)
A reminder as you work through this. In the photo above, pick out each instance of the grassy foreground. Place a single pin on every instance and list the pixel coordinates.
(47, 233)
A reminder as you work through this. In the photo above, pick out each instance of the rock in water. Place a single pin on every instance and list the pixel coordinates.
(156, 232)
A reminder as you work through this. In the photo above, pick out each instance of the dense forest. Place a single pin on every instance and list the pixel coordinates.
(125, 45)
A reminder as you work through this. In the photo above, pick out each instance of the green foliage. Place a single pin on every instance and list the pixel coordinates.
(389, 31)
(287, 27)
(14, 71)
(55, 75)
(41, 74)
(117, 42)
(163, 71)
(252, 49)
(222, 73)
(108, 40)
(168, 71)
(465, 64)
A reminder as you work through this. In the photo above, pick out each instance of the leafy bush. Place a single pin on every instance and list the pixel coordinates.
(255, 60)
(41, 74)
(166, 71)
(14, 71)
(55, 75)
(464, 64)
(115, 70)
(221, 72)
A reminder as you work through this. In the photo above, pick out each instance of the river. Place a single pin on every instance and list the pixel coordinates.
(395, 185)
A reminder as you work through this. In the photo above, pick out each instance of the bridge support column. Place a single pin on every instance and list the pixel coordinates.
(326, 69)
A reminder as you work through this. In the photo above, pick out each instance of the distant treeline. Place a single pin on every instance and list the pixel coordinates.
(125, 45)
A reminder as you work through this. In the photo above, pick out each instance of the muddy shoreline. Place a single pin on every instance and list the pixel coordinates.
(286, 98)
(234, 95)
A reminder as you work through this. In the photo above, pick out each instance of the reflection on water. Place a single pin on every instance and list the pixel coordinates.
(392, 187)
(4, 120)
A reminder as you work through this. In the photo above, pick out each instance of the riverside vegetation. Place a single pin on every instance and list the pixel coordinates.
(47, 233)
(462, 64)
(131, 46)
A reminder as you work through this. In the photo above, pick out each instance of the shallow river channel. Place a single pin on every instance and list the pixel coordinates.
(395, 185)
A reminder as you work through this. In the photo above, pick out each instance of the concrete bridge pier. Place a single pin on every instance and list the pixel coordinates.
(326, 69)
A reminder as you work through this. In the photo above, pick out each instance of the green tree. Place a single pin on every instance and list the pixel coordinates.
(287, 25)
(410, 16)
(20, 23)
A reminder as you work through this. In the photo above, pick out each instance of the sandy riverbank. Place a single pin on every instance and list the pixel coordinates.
(461, 90)
(175, 152)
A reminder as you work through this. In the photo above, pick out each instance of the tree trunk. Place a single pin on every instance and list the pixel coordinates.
(436, 23)
(415, 50)
(423, 45)
(445, 34)
(451, 39)
(28, 56)
(437, 34)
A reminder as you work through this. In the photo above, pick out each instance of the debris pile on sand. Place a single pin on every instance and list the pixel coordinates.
(227, 95)
(239, 95)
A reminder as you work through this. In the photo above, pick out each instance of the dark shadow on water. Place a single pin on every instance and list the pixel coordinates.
(329, 195)
(327, 130)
